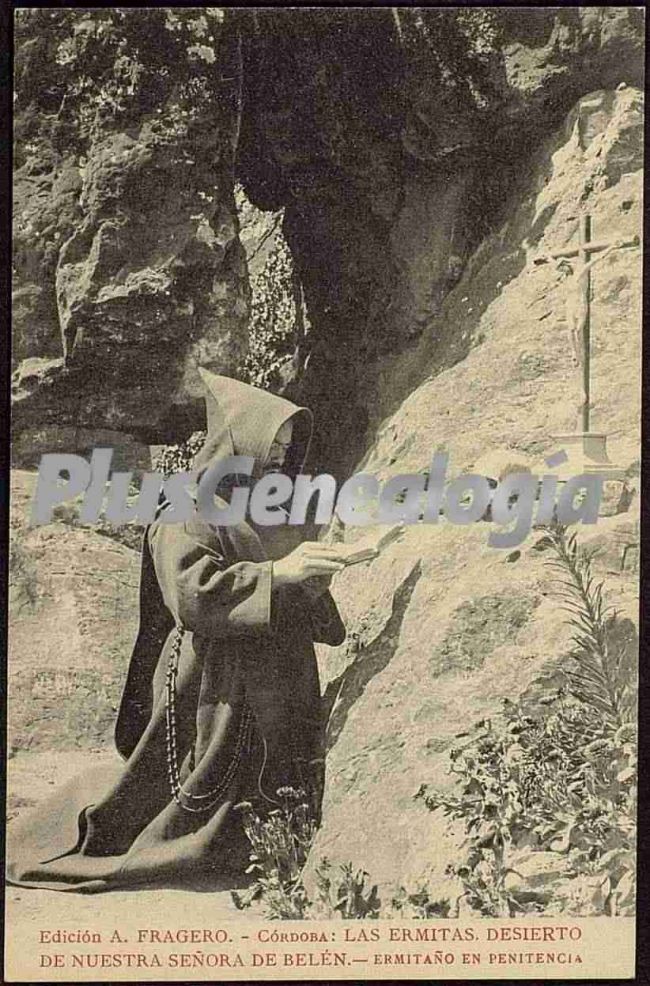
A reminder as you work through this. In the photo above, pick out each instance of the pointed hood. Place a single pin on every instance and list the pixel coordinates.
(244, 420)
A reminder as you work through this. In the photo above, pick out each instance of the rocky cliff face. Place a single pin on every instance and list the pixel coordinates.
(125, 216)
(415, 199)
(393, 139)
(443, 628)
(390, 138)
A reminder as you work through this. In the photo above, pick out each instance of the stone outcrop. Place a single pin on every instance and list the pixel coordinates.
(145, 262)
(443, 628)
(72, 597)
(391, 138)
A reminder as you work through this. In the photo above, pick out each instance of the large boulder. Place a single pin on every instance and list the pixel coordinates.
(143, 250)
(442, 627)
(73, 610)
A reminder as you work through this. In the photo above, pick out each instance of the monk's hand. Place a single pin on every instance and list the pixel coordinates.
(309, 560)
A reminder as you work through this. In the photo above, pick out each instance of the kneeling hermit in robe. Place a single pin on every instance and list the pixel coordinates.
(222, 699)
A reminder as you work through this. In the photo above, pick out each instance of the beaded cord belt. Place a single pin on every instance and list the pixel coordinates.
(188, 801)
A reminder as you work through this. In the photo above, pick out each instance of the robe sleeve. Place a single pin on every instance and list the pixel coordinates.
(327, 625)
(203, 592)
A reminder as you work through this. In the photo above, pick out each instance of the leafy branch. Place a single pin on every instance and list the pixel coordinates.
(598, 676)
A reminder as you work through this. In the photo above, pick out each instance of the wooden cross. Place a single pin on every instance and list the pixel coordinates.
(579, 300)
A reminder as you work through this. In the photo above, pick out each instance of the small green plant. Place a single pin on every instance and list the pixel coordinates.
(419, 904)
(280, 842)
(346, 896)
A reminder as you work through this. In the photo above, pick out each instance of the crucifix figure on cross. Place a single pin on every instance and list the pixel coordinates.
(587, 254)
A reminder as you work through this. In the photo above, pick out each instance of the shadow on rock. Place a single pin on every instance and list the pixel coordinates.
(343, 692)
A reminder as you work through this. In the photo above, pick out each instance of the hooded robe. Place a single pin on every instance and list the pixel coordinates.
(222, 698)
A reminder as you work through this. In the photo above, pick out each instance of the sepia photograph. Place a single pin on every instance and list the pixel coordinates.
(325, 440)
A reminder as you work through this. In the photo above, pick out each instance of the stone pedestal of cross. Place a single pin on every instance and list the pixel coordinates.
(586, 449)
